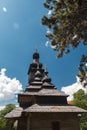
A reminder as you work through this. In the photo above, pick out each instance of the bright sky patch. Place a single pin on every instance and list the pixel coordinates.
(16, 25)
(47, 43)
(71, 89)
(4, 9)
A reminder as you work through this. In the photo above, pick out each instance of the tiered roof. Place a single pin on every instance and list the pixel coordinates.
(39, 81)
(41, 95)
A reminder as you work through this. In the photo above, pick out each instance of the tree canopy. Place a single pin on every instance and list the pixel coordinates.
(3, 112)
(80, 100)
(83, 70)
(67, 27)
(67, 22)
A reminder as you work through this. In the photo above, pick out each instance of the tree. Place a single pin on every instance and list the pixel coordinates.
(7, 109)
(67, 25)
(67, 22)
(83, 70)
(3, 112)
(80, 100)
(2, 124)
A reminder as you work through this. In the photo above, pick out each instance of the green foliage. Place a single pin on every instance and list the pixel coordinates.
(2, 124)
(80, 100)
(15, 128)
(67, 23)
(83, 70)
(3, 112)
(7, 109)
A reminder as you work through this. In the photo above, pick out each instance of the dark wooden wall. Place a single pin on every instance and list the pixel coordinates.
(44, 121)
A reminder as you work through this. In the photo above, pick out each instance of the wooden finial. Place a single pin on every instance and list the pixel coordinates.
(36, 48)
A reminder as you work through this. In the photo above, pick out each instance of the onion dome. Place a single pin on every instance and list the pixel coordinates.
(36, 63)
(36, 55)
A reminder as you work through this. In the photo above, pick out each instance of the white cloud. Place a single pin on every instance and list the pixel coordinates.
(71, 89)
(48, 31)
(4, 9)
(74, 37)
(2, 107)
(49, 12)
(53, 47)
(8, 87)
(47, 43)
(86, 64)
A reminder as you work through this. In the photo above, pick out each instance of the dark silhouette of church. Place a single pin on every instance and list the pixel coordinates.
(41, 105)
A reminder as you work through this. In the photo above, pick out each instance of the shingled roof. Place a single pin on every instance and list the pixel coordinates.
(41, 95)
(51, 92)
(14, 113)
(54, 108)
(36, 108)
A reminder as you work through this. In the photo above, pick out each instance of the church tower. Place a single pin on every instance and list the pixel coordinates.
(41, 105)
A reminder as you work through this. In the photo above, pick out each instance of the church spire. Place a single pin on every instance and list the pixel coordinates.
(34, 67)
(36, 56)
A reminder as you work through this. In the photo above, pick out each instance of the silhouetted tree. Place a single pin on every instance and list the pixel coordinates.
(67, 25)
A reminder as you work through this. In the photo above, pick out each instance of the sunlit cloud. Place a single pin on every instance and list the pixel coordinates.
(8, 87)
(4, 9)
(49, 12)
(47, 43)
(48, 31)
(2, 107)
(74, 37)
(86, 64)
(53, 47)
(71, 89)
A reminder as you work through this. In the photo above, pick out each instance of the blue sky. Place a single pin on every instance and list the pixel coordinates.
(21, 33)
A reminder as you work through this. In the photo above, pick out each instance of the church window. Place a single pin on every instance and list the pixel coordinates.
(55, 125)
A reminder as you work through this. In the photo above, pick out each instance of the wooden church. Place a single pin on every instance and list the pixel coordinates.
(41, 105)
